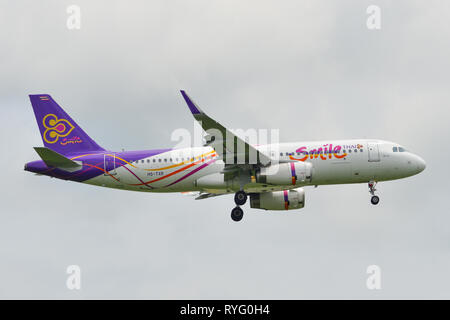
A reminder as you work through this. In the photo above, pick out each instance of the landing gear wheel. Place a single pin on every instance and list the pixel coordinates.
(374, 200)
(240, 198)
(237, 214)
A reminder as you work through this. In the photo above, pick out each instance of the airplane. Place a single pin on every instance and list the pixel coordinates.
(272, 176)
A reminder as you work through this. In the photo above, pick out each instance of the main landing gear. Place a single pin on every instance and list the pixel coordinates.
(237, 213)
(375, 199)
(240, 198)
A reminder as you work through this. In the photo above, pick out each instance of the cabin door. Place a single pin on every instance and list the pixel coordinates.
(374, 151)
(109, 164)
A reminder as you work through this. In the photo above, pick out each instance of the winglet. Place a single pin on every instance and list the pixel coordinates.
(192, 106)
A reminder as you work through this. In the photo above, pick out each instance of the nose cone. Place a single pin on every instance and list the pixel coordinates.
(420, 164)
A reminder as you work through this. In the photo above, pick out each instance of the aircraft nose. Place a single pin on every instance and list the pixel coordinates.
(421, 164)
(418, 164)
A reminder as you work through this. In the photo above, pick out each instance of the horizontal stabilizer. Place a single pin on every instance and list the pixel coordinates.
(54, 159)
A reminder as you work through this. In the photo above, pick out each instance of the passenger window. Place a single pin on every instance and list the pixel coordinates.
(343, 151)
(165, 159)
(394, 149)
(154, 160)
(360, 150)
(356, 150)
(281, 154)
(159, 160)
(350, 151)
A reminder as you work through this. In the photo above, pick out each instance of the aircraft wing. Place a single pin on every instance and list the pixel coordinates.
(209, 195)
(234, 151)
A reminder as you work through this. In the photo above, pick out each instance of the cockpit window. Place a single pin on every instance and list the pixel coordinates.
(400, 149)
(394, 149)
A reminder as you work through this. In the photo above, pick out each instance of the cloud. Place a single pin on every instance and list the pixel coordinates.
(311, 69)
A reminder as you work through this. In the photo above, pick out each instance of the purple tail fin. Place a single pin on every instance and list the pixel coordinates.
(59, 132)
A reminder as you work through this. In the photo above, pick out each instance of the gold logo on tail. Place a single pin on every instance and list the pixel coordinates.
(55, 128)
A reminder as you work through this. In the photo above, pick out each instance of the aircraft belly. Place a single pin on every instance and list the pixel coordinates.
(332, 172)
(137, 179)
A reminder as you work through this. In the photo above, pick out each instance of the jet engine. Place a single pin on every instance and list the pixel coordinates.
(278, 200)
(292, 173)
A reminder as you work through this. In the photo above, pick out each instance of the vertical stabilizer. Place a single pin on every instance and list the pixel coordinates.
(59, 132)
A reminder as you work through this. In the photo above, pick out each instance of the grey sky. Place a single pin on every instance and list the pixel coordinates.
(310, 68)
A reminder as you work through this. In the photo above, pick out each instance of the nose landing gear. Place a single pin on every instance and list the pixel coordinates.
(375, 199)
(240, 198)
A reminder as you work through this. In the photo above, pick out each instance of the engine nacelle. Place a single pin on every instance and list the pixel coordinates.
(292, 173)
(278, 200)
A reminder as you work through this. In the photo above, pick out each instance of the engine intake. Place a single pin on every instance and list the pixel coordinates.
(278, 200)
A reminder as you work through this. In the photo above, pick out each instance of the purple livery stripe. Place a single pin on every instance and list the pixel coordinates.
(93, 164)
(286, 199)
(137, 177)
(294, 176)
(193, 171)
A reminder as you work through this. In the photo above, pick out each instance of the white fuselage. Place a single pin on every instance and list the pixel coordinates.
(350, 161)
